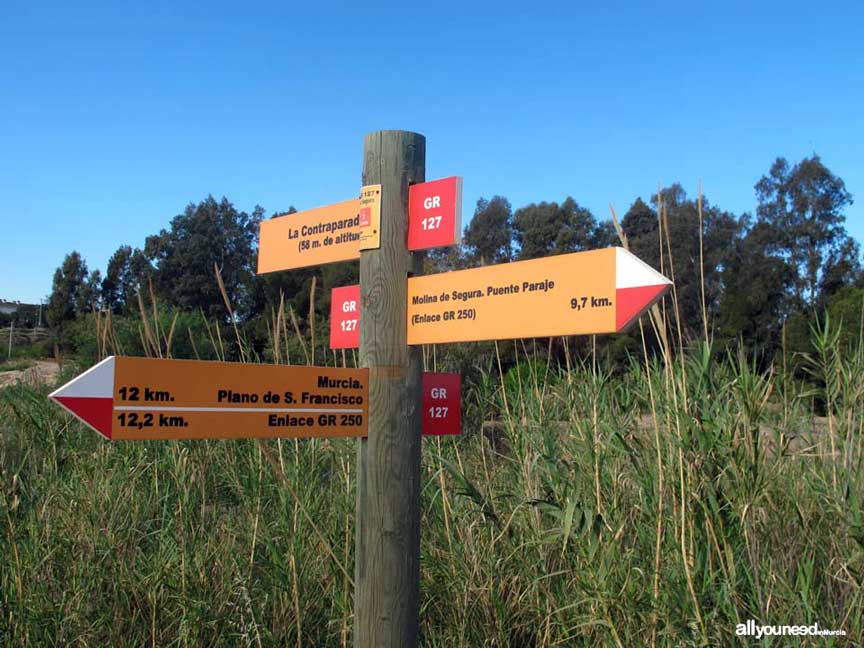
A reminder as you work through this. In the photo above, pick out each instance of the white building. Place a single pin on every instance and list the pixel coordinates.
(9, 307)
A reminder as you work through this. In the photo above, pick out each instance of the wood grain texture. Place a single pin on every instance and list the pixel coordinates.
(387, 550)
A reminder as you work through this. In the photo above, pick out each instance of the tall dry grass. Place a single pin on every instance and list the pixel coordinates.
(658, 506)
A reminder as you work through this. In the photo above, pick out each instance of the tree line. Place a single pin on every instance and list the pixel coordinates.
(753, 279)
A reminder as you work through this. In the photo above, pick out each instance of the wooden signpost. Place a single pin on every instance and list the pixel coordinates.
(148, 399)
(389, 401)
(387, 534)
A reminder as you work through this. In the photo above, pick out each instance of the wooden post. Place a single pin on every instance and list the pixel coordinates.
(387, 556)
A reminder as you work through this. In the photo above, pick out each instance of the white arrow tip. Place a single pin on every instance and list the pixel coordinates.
(632, 272)
(96, 382)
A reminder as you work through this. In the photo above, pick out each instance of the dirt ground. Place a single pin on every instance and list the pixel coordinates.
(41, 371)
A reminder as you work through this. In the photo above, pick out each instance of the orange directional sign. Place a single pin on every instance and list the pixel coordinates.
(324, 235)
(338, 232)
(145, 398)
(601, 291)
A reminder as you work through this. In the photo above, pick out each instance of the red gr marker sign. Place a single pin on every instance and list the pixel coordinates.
(441, 402)
(345, 317)
(435, 213)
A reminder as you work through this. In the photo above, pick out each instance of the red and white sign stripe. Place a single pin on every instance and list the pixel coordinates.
(637, 286)
(90, 396)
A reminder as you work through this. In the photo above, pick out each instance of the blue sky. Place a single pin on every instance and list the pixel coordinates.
(114, 116)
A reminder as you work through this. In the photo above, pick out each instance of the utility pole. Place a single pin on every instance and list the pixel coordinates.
(387, 567)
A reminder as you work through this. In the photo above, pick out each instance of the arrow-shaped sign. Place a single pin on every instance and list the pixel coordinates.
(323, 235)
(600, 291)
(146, 398)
